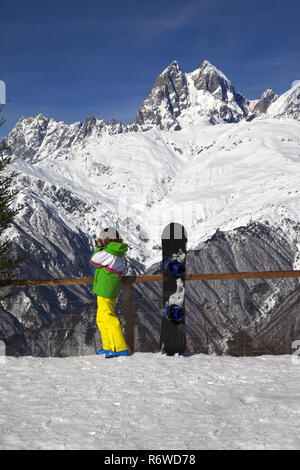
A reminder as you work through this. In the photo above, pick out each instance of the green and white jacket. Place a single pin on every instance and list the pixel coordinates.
(109, 262)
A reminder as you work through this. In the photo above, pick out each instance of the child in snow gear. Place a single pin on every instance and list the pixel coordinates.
(108, 259)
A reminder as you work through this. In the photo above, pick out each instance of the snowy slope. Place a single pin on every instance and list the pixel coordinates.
(150, 401)
(206, 177)
(287, 104)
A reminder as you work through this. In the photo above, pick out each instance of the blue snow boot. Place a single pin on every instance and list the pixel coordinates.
(110, 354)
(102, 351)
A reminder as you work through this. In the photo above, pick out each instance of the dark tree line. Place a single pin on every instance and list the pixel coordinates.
(8, 211)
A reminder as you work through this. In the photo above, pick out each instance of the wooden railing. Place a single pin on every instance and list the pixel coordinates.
(130, 280)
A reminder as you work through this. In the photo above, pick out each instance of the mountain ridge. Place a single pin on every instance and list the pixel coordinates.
(172, 90)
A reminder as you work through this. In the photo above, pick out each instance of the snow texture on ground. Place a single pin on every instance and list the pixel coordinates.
(150, 401)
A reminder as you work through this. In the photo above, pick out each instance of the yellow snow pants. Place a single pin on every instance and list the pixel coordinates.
(109, 325)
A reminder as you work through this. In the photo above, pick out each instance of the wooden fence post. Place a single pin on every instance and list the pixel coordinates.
(129, 323)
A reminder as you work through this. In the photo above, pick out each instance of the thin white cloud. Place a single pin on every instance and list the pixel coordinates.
(157, 24)
(180, 17)
(274, 61)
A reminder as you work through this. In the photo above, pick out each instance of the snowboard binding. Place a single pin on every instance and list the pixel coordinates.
(174, 313)
(174, 266)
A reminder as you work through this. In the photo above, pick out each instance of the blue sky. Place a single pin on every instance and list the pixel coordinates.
(68, 59)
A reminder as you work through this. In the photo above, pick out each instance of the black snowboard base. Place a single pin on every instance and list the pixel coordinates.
(173, 330)
(172, 337)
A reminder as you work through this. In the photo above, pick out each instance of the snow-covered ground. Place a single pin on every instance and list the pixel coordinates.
(150, 401)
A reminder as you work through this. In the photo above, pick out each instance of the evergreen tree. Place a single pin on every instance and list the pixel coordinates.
(8, 263)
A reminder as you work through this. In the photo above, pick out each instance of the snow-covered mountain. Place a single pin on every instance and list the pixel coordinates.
(199, 153)
(288, 104)
(178, 100)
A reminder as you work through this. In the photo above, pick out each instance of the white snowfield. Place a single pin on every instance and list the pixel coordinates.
(150, 401)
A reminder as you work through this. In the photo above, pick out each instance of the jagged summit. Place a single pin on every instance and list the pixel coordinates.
(42, 136)
(166, 100)
(208, 78)
(268, 92)
(262, 105)
(178, 99)
(208, 68)
(174, 65)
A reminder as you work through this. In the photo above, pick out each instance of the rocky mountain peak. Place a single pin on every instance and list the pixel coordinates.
(207, 68)
(267, 97)
(268, 93)
(208, 78)
(172, 68)
(175, 98)
(166, 99)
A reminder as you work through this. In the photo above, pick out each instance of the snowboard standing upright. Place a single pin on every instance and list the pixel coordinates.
(172, 331)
